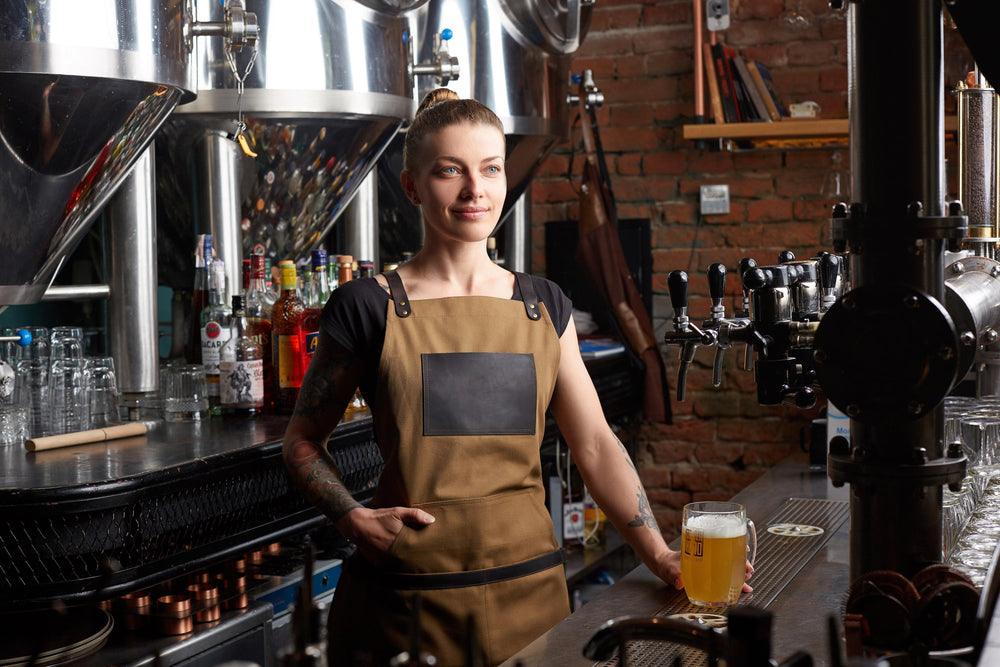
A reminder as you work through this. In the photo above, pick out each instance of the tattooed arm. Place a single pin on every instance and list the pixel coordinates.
(333, 375)
(604, 463)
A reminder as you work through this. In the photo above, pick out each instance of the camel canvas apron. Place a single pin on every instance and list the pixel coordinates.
(464, 383)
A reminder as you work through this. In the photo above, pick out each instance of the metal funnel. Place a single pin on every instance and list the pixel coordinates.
(83, 89)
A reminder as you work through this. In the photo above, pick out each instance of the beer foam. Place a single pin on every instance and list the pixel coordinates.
(717, 525)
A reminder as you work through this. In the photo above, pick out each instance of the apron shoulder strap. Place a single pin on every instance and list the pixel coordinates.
(398, 294)
(528, 294)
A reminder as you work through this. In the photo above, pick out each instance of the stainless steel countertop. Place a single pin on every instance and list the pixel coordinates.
(801, 609)
(166, 446)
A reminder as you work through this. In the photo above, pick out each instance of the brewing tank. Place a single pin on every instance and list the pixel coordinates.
(84, 86)
(328, 88)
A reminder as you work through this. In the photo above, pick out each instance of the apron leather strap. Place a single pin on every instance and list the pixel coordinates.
(528, 294)
(424, 582)
(398, 294)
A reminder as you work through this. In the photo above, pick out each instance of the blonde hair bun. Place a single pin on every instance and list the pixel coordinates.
(434, 97)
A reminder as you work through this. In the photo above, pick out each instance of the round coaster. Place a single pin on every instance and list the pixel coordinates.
(714, 620)
(795, 530)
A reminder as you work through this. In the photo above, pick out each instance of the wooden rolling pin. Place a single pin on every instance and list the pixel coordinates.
(85, 437)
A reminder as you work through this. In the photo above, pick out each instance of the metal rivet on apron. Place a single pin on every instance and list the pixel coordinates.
(405, 312)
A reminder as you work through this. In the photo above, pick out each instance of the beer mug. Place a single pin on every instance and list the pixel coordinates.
(714, 552)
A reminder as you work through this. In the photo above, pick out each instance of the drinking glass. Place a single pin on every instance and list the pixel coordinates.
(980, 438)
(33, 369)
(103, 393)
(714, 552)
(186, 393)
(13, 412)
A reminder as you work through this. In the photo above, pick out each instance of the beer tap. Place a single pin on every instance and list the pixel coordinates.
(746, 264)
(686, 334)
(830, 279)
(727, 330)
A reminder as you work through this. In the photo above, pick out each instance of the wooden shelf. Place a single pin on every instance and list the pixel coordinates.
(805, 128)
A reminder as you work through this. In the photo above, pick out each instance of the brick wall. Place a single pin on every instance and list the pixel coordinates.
(642, 57)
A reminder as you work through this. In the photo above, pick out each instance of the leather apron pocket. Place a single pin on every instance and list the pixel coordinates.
(475, 534)
(478, 393)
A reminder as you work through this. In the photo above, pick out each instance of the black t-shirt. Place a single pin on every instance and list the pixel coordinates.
(355, 317)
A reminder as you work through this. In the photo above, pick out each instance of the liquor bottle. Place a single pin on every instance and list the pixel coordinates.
(286, 344)
(491, 248)
(241, 368)
(214, 331)
(245, 273)
(345, 273)
(318, 295)
(199, 298)
(366, 268)
(259, 303)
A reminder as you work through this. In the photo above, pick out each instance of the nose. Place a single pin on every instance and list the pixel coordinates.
(473, 186)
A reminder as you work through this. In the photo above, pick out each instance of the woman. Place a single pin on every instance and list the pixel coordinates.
(459, 360)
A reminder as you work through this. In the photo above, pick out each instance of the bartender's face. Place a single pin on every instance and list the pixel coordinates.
(461, 183)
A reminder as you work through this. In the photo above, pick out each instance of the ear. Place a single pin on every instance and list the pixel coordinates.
(409, 186)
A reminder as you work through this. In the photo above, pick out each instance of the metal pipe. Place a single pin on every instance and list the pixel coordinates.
(132, 310)
(76, 292)
(898, 181)
(360, 220)
(218, 173)
(516, 232)
(699, 59)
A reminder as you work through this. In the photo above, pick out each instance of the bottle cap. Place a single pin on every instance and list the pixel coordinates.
(318, 259)
(257, 265)
(345, 259)
(239, 303)
(289, 277)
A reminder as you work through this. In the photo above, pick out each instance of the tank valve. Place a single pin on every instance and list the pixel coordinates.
(445, 67)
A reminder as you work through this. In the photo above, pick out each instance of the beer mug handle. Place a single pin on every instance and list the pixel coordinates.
(752, 534)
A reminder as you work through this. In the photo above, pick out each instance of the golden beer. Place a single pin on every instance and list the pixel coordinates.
(714, 553)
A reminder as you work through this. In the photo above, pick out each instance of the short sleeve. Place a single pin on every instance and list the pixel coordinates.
(556, 302)
(354, 316)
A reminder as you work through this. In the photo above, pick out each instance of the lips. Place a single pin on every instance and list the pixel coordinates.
(471, 212)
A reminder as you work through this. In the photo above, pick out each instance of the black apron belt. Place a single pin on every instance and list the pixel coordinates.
(409, 581)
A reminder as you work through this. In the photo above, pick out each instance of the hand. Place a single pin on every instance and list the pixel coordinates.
(668, 568)
(374, 531)
(746, 586)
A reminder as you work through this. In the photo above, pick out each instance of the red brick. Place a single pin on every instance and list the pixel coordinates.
(834, 80)
(765, 210)
(677, 212)
(655, 476)
(692, 480)
(661, 497)
(810, 53)
(672, 162)
(608, 17)
(801, 184)
(605, 44)
(772, 55)
(624, 115)
(719, 452)
(671, 451)
(628, 67)
(768, 454)
(617, 139)
(796, 83)
(678, 13)
(629, 165)
(745, 11)
(711, 162)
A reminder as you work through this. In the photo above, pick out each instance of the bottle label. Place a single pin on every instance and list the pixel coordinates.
(213, 337)
(289, 361)
(241, 383)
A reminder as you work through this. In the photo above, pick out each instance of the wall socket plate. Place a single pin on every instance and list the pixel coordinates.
(716, 14)
(714, 199)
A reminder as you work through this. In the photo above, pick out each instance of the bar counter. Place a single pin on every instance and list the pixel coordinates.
(801, 603)
(90, 522)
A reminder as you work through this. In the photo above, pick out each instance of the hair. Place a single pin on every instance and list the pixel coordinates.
(439, 109)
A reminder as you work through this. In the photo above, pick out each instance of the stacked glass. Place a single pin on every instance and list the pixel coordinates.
(971, 517)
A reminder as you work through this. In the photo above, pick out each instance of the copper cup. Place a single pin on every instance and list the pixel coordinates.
(206, 598)
(137, 610)
(174, 612)
(235, 590)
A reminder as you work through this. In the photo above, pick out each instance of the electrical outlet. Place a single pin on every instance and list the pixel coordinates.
(717, 14)
(714, 199)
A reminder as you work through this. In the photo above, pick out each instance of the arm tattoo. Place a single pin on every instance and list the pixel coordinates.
(323, 389)
(645, 515)
(625, 452)
(316, 477)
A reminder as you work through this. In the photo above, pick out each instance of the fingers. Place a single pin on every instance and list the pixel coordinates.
(414, 515)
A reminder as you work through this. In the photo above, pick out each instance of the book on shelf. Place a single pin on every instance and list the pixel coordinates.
(765, 85)
(756, 100)
(748, 114)
(724, 78)
(713, 85)
(595, 348)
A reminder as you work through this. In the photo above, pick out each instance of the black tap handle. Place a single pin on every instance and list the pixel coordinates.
(786, 256)
(677, 284)
(717, 281)
(829, 269)
(746, 264)
(755, 278)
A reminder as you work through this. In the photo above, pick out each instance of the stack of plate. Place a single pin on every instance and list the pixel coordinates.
(51, 637)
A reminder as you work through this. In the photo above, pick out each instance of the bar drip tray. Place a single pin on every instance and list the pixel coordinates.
(786, 541)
